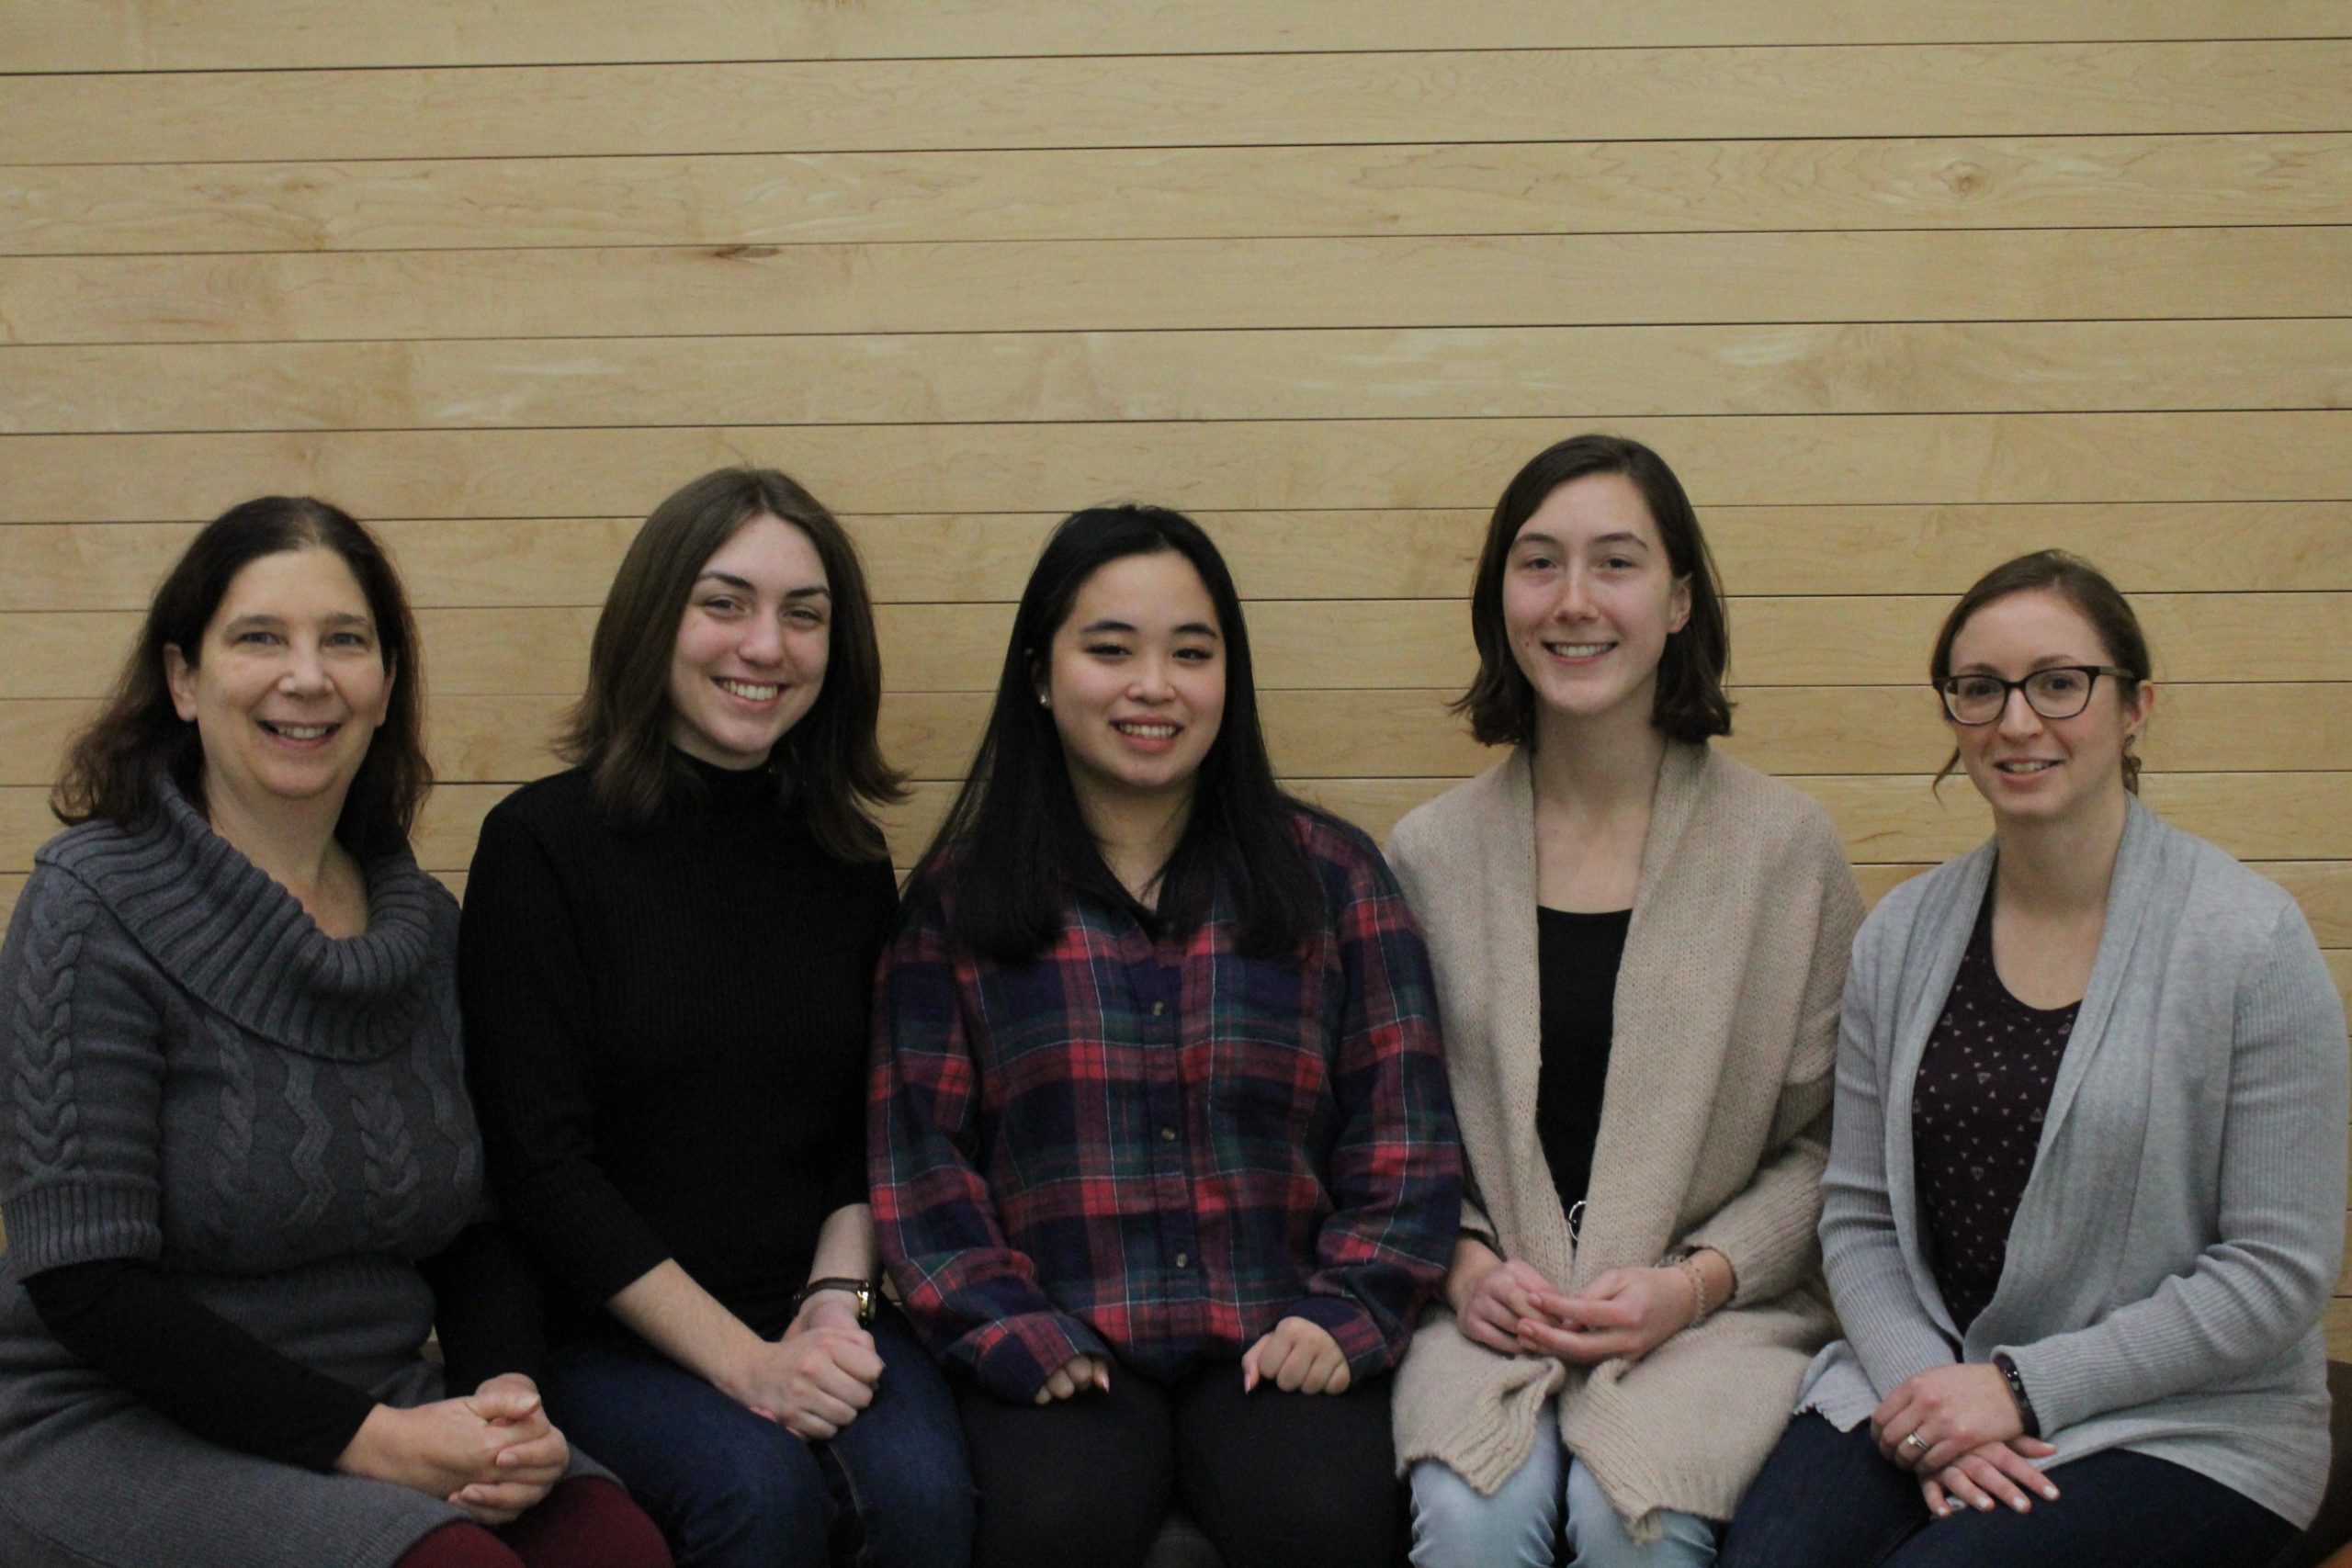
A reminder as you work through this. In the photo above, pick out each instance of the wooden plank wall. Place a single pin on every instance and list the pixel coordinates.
(1901, 290)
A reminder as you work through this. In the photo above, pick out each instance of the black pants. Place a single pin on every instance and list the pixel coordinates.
(1276, 1480)
(1828, 1499)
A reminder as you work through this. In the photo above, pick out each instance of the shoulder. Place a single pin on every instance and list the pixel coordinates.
(87, 853)
(1771, 812)
(554, 807)
(1441, 828)
(2217, 897)
(1339, 851)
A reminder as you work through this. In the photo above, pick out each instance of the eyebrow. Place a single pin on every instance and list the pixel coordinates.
(1621, 537)
(263, 618)
(813, 591)
(2046, 661)
(1192, 629)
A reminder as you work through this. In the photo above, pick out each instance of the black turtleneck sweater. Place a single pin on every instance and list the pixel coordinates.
(666, 1037)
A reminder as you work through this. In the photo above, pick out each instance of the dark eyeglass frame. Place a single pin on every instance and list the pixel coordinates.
(2091, 673)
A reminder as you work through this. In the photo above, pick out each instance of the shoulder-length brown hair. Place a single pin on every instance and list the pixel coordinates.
(2089, 591)
(1691, 703)
(830, 764)
(114, 767)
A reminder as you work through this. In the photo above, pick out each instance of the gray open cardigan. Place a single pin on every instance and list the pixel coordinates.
(1712, 1127)
(2179, 1236)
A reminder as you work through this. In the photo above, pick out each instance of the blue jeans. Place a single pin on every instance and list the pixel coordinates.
(1520, 1526)
(733, 1490)
(1828, 1499)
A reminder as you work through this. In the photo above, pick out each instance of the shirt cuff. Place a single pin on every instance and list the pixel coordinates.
(1027, 1350)
(1367, 1351)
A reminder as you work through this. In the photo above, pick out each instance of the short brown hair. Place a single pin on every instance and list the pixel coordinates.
(114, 767)
(2084, 587)
(830, 762)
(1691, 703)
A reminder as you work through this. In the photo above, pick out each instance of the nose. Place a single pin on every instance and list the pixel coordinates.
(1151, 682)
(2018, 717)
(306, 672)
(1575, 598)
(762, 641)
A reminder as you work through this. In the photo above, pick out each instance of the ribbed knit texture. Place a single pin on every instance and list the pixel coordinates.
(2178, 1240)
(1712, 1128)
(667, 1029)
(193, 1073)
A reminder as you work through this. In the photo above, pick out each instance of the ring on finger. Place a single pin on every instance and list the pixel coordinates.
(1916, 1442)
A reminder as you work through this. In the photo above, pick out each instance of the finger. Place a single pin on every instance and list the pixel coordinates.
(538, 1453)
(509, 1497)
(1099, 1375)
(2032, 1447)
(1330, 1368)
(810, 1427)
(1997, 1487)
(1250, 1359)
(1938, 1504)
(1962, 1487)
(506, 1403)
(835, 1414)
(2004, 1458)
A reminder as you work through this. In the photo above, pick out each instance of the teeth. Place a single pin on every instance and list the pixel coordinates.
(2028, 766)
(298, 731)
(1576, 649)
(750, 692)
(1148, 731)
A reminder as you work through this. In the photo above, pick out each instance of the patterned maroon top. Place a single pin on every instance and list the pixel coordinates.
(1976, 1113)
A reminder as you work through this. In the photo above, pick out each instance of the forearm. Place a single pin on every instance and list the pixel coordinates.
(1767, 1234)
(845, 1245)
(674, 1314)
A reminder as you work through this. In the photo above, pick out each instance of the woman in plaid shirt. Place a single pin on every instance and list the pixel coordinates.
(1164, 1165)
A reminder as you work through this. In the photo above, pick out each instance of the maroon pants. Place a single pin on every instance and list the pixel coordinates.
(583, 1523)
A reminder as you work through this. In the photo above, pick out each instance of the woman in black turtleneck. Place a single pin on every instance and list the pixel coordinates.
(666, 961)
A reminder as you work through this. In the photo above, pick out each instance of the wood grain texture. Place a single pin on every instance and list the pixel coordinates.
(2217, 546)
(150, 34)
(1129, 193)
(2038, 89)
(1310, 645)
(1167, 284)
(1584, 373)
(1408, 464)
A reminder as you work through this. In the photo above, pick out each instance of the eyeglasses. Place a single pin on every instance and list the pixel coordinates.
(2062, 691)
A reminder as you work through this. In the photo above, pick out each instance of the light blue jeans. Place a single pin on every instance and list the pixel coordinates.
(1522, 1525)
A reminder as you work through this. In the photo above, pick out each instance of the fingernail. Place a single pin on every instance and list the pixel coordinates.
(2050, 1492)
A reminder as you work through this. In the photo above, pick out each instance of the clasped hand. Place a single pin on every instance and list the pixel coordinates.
(1970, 1445)
(819, 1376)
(1627, 1312)
(492, 1453)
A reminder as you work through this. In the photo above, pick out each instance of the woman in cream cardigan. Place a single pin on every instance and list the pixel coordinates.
(2083, 1210)
(1639, 945)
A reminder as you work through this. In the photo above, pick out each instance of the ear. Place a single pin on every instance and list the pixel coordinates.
(2136, 711)
(179, 675)
(1678, 614)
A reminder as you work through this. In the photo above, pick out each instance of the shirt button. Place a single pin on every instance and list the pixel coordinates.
(1168, 1135)
(1183, 1260)
(1158, 1009)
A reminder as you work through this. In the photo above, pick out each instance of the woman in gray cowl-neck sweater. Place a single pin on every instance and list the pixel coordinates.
(238, 1170)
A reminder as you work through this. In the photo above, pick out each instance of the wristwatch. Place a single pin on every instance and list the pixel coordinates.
(861, 1290)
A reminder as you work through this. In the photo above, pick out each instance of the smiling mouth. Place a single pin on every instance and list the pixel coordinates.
(2024, 767)
(1577, 649)
(1146, 731)
(299, 731)
(749, 691)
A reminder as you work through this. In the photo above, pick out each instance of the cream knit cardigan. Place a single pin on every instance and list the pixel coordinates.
(1713, 1125)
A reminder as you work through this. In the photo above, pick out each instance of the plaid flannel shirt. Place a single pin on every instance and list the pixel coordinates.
(1152, 1147)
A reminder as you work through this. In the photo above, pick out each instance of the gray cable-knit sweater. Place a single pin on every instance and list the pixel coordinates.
(191, 1072)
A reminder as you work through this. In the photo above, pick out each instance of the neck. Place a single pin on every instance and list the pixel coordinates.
(1135, 834)
(2063, 865)
(295, 843)
(1598, 765)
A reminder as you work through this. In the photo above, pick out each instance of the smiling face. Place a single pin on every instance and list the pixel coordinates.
(1588, 597)
(1136, 679)
(288, 686)
(2029, 768)
(751, 645)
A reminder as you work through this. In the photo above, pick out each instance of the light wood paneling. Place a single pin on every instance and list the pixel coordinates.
(1160, 285)
(2038, 89)
(2226, 546)
(146, 35)
(1318, 645)
(1129, 193)
(1782, 460)
(1601, 372)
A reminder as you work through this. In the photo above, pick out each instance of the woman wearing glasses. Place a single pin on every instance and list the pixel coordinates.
(2082, 1211)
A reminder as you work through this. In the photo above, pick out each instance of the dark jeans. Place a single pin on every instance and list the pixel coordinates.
(1276, 1480)
(733, 1490)
(1827, 1499)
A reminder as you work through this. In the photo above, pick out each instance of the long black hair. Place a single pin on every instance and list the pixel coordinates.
(1014, 844)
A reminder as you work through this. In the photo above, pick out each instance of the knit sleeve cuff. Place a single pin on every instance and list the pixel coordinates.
(52, 1225)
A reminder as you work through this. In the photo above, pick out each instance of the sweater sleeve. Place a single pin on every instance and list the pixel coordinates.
(1769, 1230)
(1884, 1320)
(1395, 1168)
(180, 1358)
(847, 1182)
(972, 1295)
(2268, 1277)
(486, 1307)
(524, 981)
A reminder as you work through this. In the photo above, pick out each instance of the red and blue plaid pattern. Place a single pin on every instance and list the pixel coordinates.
(1154, 1147)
